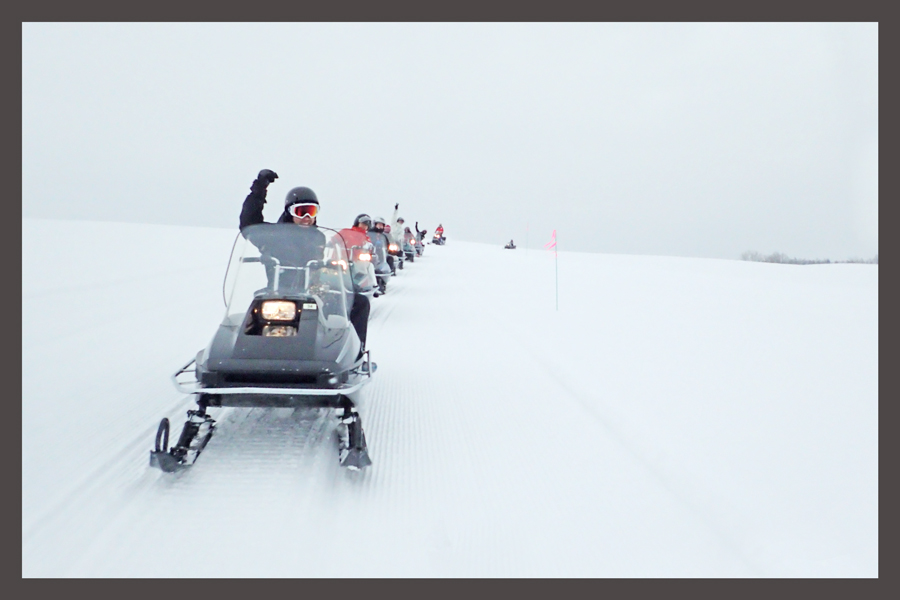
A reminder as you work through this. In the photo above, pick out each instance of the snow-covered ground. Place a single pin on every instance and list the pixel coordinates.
(675, 417)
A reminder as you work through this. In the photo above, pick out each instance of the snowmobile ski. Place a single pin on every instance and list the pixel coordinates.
(197, 431)
(354, 453)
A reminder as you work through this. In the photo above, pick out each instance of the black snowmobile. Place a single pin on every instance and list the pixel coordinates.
(398, 254)
(420, 244)
(285, 341)
(409, 245)
(379, 258)
(510, 246)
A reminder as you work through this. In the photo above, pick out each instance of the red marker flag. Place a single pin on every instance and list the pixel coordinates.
(552, 243)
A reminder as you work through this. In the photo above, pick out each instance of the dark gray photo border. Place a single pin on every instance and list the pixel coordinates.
(357, 10)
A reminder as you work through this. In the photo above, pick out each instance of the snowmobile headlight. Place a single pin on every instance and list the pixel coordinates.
(365, 256)
(393, 247)
(278, 310)
(279, 330)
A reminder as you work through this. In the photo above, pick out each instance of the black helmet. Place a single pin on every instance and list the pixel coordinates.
(300, 195)
(362, 218)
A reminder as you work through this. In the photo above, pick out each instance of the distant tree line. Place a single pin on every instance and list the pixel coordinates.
(778, 257)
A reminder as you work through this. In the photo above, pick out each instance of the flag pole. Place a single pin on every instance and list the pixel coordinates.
(551, 245)
(556, 260)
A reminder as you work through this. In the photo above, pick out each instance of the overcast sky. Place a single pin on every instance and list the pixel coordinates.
(647, 138)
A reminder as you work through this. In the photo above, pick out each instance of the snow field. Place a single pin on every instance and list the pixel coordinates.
(675, 417)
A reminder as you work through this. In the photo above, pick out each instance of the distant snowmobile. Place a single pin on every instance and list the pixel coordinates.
(419, 245)
(394, 250)
(420, 240)
(439, 238)
(285, 341)
(510, 246)
(379, 261)
(409, 245)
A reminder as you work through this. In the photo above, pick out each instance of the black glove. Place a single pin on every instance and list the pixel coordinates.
(396, 206)
(265, 177)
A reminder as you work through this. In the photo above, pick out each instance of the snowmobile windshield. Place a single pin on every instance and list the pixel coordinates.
(380, 243)
(288, 261)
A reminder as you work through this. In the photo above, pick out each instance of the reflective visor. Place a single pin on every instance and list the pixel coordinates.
(303, 210)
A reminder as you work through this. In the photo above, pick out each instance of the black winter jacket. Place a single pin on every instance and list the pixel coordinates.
(252, 214)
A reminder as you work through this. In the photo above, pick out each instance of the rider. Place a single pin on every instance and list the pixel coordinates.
(397, 226)
(409, 239)
(356, 237)
(301, 206)
(439, 231)
(357, 241)
(379, 235)
(390, 240)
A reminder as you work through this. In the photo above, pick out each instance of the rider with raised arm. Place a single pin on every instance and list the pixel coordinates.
(397, 225)
(301, 207)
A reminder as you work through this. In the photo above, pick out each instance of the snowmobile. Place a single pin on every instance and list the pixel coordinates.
(285, 341)
(420, 244)
(394, 250)
(510, 246)
(379, 261)
(438, 239)
(409, 245)
(362, 270)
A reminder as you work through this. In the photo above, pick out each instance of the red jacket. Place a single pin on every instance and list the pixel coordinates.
(354, 236)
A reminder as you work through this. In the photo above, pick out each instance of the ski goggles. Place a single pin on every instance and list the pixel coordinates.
(303, 210)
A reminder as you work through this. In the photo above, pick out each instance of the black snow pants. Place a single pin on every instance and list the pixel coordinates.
(359, 316)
